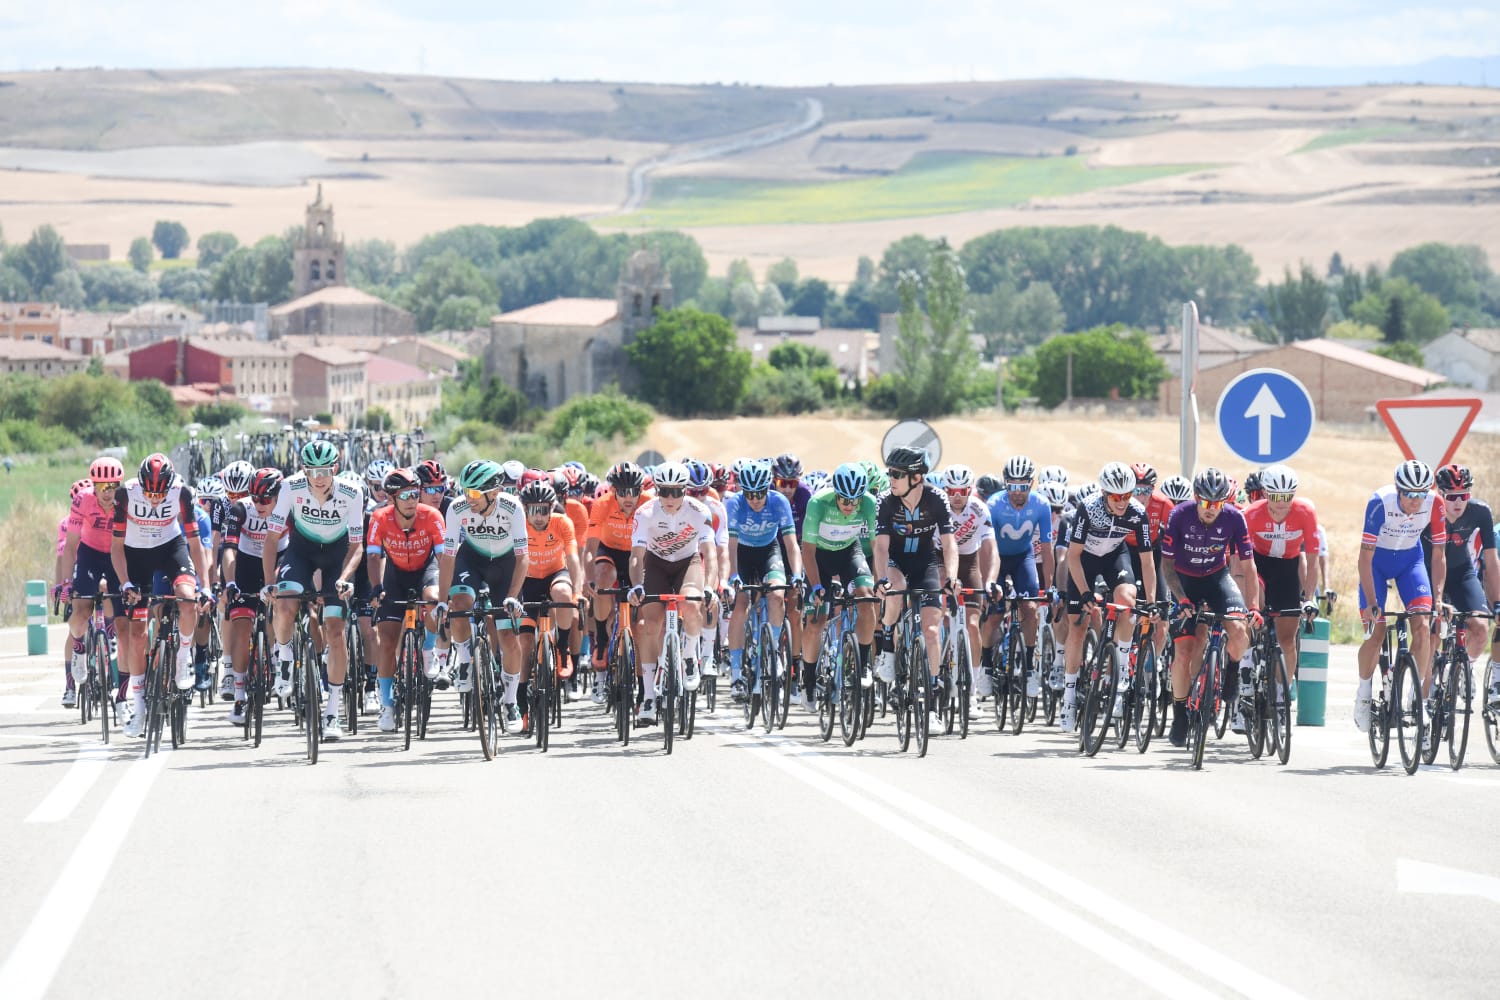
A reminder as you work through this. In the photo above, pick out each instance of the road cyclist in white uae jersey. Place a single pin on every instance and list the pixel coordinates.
(1021, 522)
(1391, 549)
(669, 545)
(1105, 529)
(246, 527)
(974, 536)
(324, 518)
(155, 531)
(484, 545)
(1473, 582)
(913, 549)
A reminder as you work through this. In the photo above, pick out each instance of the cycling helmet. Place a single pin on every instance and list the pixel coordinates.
(265, 484)
(511, 474)
(910, 460)
(80, 486)
(1212, 485)
(850, 481)
(699, 475)
(319, 454)
(352, 478)
(537, 493)
(1054, 474)
(481, 475)
(576, 466)
(1278, 479)
(431, 473)
(400, 479)
(106, 470)
(377, 470)
(987, 486)
(958, 477)
(1454, 477)
(1145, 475)
(237, 476)
(565, 480)
(755, 477)
(1177, 489)
(672, 475)
(535, 476)
(1116, 478)
(626, 476)
(1086, 492)
(1414, 475)
(718, 477)
(156, 473)
(879, 482)
(588, 485)
(1253, 486)
(212, 488)
(1055, 493)
(1019, 468)
(815, 480)
(787, 466)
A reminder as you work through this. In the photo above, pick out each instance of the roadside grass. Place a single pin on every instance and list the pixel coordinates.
(932, 184)
(27, 551)
(1348, 137)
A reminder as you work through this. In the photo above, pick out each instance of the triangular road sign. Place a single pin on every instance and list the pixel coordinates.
(1429, 429)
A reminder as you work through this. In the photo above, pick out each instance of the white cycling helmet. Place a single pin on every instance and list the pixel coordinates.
(1177, 489)
(958, 477)
(1414, 475)
(672, 475)
(1018, 469)
(237, 476)
(1055, 493)
(1054, 474)
(1116, 477)
(1278, 479)
(1086, 492)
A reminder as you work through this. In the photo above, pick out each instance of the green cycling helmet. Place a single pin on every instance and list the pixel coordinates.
(879, 481)
(319, 455)
(482, 475)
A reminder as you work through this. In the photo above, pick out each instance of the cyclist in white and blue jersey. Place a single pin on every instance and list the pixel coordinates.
(1023, 537)
(759, 518)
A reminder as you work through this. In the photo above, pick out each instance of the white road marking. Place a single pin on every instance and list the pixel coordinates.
(26, 704)
(1124, 956)
(1214, 965)
(28, 972)
(1421, 877)
(65, 796)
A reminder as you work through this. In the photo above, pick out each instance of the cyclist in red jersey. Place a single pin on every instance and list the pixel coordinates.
(1284, 534)
(402, 549)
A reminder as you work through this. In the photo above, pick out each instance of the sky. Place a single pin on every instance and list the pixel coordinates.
(774, 42)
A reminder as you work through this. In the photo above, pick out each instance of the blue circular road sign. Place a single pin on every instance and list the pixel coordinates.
(1265, 416)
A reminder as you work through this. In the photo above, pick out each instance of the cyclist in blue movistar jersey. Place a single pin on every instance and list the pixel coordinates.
(760, 528)
(1023, 538)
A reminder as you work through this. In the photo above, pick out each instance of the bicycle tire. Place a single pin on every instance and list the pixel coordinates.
(998, 686)
(99, 675)
(178, 716)
(770, 676)
(1222, 708)
(424, 703)
(1459, 709)
(1255, 707)
(1015, 684)
(1142, 714)
(1098, 707)
(1439, 721)
(1201, 708)
(482, 701)
(541, 691)
(406, 671)
(921, 688)
(900, 704)
(963, 687)
(1380, 727)
(260, 665)
(1411, 717)
(311, 701)
(1280, 710)
(666, 694)
(687, 714)
(624, 675)
(153, 702)
(826, 684)
(1162, 705)
(851, 700)
(354, 675)
(784, 679)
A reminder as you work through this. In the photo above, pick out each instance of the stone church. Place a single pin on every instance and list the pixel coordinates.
(555, 350)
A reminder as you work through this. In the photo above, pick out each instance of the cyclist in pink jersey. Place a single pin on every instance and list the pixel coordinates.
(85, 558)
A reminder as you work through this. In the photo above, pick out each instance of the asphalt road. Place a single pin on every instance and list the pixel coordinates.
(740, 866)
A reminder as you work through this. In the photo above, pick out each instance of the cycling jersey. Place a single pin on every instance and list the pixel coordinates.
(1101, 532)
(408, 549)
(610, 524)
(495, 534)
(217, 509)
(1018, 529)
(830, 529)
(246, 530)
(1199, 549)
(971, 526)
(1158, 509)
(579, 515)
(1285, 539)
(1469, 535)
(90, 522)
(719, 515)
(759, 528)
(340, 518)
(799, 500)
(547, 550)
(1389, 529)
(673, 537)
(913, 531)
(145, 524)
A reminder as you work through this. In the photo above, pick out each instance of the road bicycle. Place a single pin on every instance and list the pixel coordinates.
(166, 707)
(1398, 703)
(956, 676)
(480, 705)
(621, 660)
(1265, 695)
(676, 705)
(912, 688)
(1205, 694)
(764, 667)
(1452, 698)
(836, 685)
(545, 709)
(307, 667)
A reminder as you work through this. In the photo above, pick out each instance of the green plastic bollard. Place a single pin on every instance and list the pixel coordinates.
(1312, 674)
(36, 617)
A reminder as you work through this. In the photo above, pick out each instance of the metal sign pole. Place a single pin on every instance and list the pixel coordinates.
(1188, 451)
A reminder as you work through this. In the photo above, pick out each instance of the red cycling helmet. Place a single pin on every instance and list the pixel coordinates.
(265, 484)
(156, 474)
(431, 473)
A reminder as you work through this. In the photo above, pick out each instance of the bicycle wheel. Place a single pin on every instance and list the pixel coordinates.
(666, 699)
(784, 678)
(899, 699)
(963, 684)
(1459, 708)
(1200, 713)
(99, 677)
(770, 680)
(542, 692)
(354, 677)
(851, 703)
(1256, 706)
(1162, 705)
(1099, 705)
(624, 675)
(1280, 710)
(825, 689)
(1380, 725)
(1015, 681)
(999, 682)
(687, 711)
(943, 685)
(1142, 716)
(153, 699)
(424, 703)
(1438, 723)
(1406, 707)
(406, 676)
(921, 689)
(311, 702)
(259, 683)
(1222, 708)
(484, 700)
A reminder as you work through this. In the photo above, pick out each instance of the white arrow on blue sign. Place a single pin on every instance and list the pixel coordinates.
(1265, 416)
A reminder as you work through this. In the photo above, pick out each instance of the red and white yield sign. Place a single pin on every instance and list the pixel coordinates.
(1428, 429)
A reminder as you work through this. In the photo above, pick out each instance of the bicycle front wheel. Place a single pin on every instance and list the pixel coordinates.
(666, 695)
(851, 700)
(1459, 709)
(770, 680)
(485, 700)
(406, 674)
(311, 702)
(1099, 705)
(963, 686)
(542, 692)
(1142, 717)
(1406, 707)
(99, 675)
(1279, 712)
(1015, 682)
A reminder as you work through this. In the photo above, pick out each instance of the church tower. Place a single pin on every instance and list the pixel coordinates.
(318, 258)
(645, 286)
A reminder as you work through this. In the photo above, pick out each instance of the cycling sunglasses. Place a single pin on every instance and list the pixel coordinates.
(1415, 494)
(539, 510)
(432, 490)
(319, 471)
(1019, 487)
(626, 493)
(408, 494)
(1280, 497)
(1211, 504)
(961, 492)
(1119, 497)
(1456, 497)
(788, 484)
(106, 486)
(755, 494)
(669, 491)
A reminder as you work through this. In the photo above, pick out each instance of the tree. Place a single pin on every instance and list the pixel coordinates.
(446, 276)
(783, 274)
(273, 268)
(374, 418)
(1455, 275)
(1298, 307)
(220, 414)
(1404, 351)
(371, 263)
(864, 271)
(234, 277)
(770, 303)
(140, 254)
(1222, 280)
(111, 286)
(681, 257)
(65, 288)
(812, 298)
(739, 270)
(601, 416)
(744, 304)
(713, 296)
(189, 285)
(1110, 359)
(933, 355)
(214, 247)
(1038, 313)
(41, 258)
(688, 362)
(1402, 311)
(13, 286)
(814, 362)
(909, 253)
(464, 312)
(1336, 265)
(170, 238)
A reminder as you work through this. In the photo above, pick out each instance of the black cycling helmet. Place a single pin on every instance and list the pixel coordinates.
(1212, 485)
(988, 486)
(909, 460)
(538, 492)
(626, 475)
(787, 466)
(399, 479)
(1453, 478)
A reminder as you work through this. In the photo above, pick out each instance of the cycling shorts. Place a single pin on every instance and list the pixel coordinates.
(171, 560)
(621, 560)
(473, 571)
(1021, 568)
(92, 569)
(968, 571)
(310, 567)
(758, 564)
(1410, 574)
(847, 565)
(1161, 583)
(1280, 581)
(539, 588)
(399, 583)
(922, 572)
(249, 577)
(1466, 594)
(1116, 569)
(663, 577)
(1218, 590)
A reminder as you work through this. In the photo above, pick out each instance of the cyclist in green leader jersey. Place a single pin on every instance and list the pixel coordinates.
(838, 520)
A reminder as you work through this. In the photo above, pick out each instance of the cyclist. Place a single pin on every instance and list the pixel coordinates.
(1390, 549)
(1106, 526)
(375, 499)
(212, 510)
(155, 531)
(700, 488)
(484, 545)
(787, 473)
(324, 518)
(1022, 524)
(551, 567)
(975, 537)
(669, 544)
(1204, 546)
(90, 533)
(838, 517)
(1473, 572)
(1284, 534)
(245, 533)
(761, 528)
(913, 548)
(1056, 494)
(611, 525)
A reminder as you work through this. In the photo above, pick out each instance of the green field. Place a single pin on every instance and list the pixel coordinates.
(932, 184)
(1348, 137)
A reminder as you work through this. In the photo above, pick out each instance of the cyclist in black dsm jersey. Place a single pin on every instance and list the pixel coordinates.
(913, 547)
(1473, 572)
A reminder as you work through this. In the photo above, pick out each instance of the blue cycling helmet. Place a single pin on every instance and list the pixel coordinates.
(755, 477)
(850, 481)
(698, 474)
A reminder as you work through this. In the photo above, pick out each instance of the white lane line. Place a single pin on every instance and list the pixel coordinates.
(26, 704)
(28, 972)
(1217, 966)
(1124, 956)
(85, 770)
